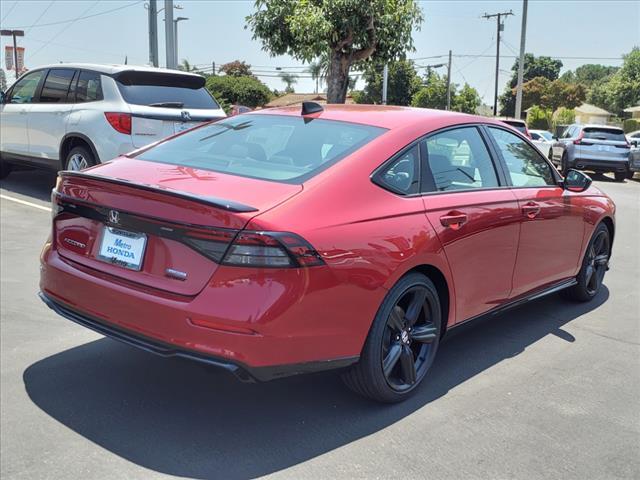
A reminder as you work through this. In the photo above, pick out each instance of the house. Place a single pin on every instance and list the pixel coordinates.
(634, 111)
(587, 113)
(295, 99)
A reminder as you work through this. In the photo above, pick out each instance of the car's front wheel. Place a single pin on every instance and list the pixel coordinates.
(5, 169)
(79, 158)
(402, 342)
(620, 176)
(594, 266)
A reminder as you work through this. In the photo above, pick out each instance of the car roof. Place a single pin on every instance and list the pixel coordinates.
(115, 68)
(384, 116)
(598, 125)
(514, 120)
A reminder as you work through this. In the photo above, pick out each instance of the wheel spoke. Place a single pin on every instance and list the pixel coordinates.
(424, 333)
(408, 365)
(396, 319)
(415, 307)
(391, 359)
(598, 244)
(589, 275)
(601, 259)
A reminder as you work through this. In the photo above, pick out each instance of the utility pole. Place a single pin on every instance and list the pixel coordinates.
(175, 38)
(449, 83)
(153, 32)
(168, 34)
(523, 36)
(499, 28)
(385, 81)
(213, 68)
(14, 34)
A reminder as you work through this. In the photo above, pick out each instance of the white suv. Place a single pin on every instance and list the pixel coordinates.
(72, 116)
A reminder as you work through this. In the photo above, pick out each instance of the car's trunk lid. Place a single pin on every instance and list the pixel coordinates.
(159, 214)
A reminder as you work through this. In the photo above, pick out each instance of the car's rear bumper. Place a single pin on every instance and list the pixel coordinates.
(601, 165)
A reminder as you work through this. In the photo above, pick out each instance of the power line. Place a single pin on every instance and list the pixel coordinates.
(73, 20)
(41, 15)
(10, 10)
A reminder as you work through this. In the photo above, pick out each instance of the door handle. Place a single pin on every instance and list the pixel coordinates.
(531, 209)
(454, 220)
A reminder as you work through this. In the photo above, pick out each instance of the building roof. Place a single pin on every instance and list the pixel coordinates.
(632, 109)
(289, 99)
(589, 109)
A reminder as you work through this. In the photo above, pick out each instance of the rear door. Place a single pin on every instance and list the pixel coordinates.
(475, 216)
(49, 116)
(603, 144)
(551, 224)
(162, 104)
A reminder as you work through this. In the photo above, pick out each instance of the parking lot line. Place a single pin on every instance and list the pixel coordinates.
(24, 202)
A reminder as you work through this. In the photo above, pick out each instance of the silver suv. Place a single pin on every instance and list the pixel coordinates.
(599, 148)
(73, 116)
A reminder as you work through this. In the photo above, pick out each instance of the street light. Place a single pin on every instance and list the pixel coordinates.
(14, 34)
(175, 36)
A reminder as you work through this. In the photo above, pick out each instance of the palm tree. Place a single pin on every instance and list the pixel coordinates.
(319, 70)
(289, 79)
(186, 66)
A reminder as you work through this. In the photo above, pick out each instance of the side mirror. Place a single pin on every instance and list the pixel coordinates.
(555, 137)
(634, 143)
(576, 181)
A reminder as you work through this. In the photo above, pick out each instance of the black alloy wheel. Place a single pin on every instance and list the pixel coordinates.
(597, 261)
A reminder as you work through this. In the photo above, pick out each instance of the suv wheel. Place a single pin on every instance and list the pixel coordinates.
(79, 158)
(564, 165)
(620, 176)
(5, 169)
(402, 342)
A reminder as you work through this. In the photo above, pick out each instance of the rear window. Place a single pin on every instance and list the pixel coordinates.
(268, 147)
(520, 126)
(604, 134)
(164, 90)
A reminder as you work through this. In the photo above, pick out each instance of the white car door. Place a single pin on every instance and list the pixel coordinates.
(48, 117)
(14, 114)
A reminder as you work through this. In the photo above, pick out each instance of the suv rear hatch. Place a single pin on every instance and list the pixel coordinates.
(164, 103)
(161, 227)
(602, 144)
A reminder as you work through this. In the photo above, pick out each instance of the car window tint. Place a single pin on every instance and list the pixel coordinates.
(403, 174)
(25, 89)
(458, 159)
(56, 86)
(89, 88)
(270, 147)
(525, 165)
(535, 136)
(598, 133)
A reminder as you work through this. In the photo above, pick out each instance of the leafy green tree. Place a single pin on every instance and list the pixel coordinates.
(589, 74)
(545, 67)
(403, 83)
(539, 118)
(564, 116)
(622, 89)
(247, 91)
(236, 69)
(289, 79)
(433, 94)
(467, 100)
(551, 95)
(350, 30)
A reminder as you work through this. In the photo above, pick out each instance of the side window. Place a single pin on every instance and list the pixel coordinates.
(403, 174)
(56, 86)
(25, 89)
(526, 166)
(458, 159)
(89, 88)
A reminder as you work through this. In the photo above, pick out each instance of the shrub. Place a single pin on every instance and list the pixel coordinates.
(631, 125)
(538, 118)
(247, 91)
(564, 116)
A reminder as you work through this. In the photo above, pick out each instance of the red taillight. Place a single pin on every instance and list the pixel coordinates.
(578, 140)
(121, 122)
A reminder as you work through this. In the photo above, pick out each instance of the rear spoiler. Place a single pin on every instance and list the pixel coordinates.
(228, 205)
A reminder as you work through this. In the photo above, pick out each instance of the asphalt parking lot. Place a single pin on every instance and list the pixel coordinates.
(550, 390)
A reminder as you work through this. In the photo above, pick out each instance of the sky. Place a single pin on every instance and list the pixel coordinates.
(577, 32)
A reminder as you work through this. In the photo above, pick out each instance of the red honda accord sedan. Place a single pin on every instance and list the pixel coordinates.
(283, 241)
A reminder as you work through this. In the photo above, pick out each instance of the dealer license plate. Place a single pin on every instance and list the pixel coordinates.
(122, 248)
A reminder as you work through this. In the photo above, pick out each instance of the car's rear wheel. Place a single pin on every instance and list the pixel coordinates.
(402, 342)
(5, 169)
(79, 158)
(620, 176)
(564, 165)
(594, 266)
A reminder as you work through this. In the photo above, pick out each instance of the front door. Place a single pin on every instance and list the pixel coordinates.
(475, 216)
(552, 227)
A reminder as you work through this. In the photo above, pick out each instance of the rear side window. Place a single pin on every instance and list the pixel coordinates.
(612, 134)
(56, 86)
(458, 159)
(288, 149)
(89, 87)
(525, 165)
(165, 90)
(403, 174)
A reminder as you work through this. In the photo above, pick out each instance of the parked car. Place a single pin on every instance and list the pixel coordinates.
(543, 140)
(519, 125)
(73, 116)
(275, 243)
(599, 148)
(634, 138)
(634, 154)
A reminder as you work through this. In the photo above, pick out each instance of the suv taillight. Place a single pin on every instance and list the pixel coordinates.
(121, 122)
(256, 249)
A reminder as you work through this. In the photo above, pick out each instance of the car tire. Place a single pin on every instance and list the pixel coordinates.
(402, 342)
(564, 165)
(5, 169)
(630, 175)
(550, 155)
(620, 176)
(79, 158)
(594, 265)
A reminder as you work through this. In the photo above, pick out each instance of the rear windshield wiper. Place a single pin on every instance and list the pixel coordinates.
(167, 104)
